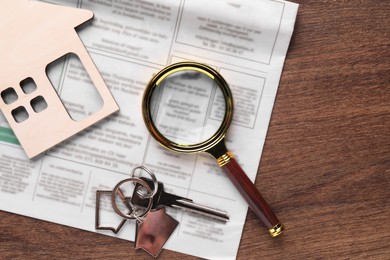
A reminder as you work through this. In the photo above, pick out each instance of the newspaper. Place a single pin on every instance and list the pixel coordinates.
(130, 41)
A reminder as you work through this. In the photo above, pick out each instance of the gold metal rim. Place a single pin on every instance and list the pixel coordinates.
(154, 83)
(276, 230)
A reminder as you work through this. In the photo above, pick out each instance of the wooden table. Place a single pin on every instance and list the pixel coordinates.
(325, 168)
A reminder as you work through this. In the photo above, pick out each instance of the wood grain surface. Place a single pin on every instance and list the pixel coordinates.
(325, 168)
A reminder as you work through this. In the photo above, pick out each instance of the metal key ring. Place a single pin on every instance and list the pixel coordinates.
(149, 195)
(133, 209)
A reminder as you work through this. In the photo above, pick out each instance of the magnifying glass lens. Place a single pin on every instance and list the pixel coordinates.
(188, 107)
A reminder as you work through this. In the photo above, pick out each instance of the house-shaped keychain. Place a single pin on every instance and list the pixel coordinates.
(33, 35)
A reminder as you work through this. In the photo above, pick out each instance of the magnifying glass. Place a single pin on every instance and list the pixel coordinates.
(188, 107)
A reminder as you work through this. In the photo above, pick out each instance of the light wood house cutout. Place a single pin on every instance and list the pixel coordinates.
(33, 35)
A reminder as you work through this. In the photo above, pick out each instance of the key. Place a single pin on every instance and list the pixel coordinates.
(164, 199)
(154, 227)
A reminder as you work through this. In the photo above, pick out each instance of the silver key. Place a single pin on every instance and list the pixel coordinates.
(164, 199)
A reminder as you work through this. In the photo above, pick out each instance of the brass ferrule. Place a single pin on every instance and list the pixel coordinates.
(276, 230)
(224, 159)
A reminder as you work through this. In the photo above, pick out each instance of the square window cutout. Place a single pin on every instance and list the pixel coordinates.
(20, 114)
(9, 95)
(38, 104)
(74, 89)
(28, 85)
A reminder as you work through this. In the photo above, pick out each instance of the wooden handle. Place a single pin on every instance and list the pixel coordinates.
(252, 196)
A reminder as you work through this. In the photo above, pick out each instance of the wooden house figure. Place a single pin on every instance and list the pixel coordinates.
(33, 35)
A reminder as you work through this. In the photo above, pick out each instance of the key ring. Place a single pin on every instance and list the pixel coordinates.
(140, 192)
(133, 214)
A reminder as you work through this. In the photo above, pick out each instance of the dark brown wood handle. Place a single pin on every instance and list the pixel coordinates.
(251, 195)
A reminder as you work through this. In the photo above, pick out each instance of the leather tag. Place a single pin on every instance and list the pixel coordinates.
(154, 231)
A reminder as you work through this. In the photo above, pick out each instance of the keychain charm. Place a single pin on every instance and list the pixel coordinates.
(154, 230)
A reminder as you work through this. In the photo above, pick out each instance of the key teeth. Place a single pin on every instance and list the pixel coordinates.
(195, 208)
